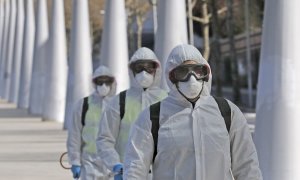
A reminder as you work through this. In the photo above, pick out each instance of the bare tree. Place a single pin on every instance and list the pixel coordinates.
(191, 4)
(96, 20)
(205, 30)
(137, 10)
(130, 22)
(204, 20)
(141, 12)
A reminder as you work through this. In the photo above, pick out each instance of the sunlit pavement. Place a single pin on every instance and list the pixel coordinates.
(29, 147)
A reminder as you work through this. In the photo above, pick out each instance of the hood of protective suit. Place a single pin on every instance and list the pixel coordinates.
(180, 54)
(104, 71)
(145, 54)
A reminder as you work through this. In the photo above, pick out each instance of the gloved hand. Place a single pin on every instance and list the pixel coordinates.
(118, 170)
(76, 171)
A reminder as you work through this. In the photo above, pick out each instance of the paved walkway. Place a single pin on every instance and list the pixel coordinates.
(30, 148)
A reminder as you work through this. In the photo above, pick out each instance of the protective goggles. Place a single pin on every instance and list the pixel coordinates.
(103, 80)
(143, 65)
(183, 73)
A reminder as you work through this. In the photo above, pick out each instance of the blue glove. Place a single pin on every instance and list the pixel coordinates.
(118, 171)
(76, 171)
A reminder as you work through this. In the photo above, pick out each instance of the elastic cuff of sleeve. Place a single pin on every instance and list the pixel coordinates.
(77, 163)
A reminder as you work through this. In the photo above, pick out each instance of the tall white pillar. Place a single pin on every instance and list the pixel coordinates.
(27, 55)
(17, 57)
(4, 47)
(38, 77)
(10, 49)
(1, 32)
(56, 78)
(114, 44)
(277, 134)
(80, 62)
(171, 30)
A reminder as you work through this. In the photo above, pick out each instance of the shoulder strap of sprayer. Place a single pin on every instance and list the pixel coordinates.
(122, 101)
(85, 107)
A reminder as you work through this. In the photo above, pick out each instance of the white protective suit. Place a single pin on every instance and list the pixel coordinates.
(114, 132)
(193, 143)
(81, 143)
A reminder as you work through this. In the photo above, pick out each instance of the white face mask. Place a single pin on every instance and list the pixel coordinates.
(144, 79)
(103, 90)
(190, 88)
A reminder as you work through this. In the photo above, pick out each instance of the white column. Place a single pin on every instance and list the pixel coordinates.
(56, 78)
(114, 44)
(38, 77)
(17, 57)
(277, 134)
(80, 62)
(27, 55)
(1, 32)
(10, 49)
(171, 30)
(4, 47)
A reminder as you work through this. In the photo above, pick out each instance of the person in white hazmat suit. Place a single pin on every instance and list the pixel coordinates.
(83, 130)
(123, 110)
(193, 142)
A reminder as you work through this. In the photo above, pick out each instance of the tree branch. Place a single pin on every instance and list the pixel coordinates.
(222, 10)
(194, 2)
(201, 20)
(197, 19)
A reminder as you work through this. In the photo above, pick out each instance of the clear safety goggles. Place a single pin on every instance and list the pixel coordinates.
(138, 66)
(183, 72)
(103, 80)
